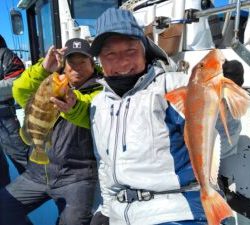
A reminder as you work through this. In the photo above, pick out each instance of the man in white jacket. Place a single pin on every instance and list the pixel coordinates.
(145, 171)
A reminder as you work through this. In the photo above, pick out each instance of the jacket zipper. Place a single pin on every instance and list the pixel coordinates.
(111, 125)
(115, 146)
(124, 146)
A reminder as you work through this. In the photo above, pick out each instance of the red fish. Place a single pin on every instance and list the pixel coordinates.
(201, 101)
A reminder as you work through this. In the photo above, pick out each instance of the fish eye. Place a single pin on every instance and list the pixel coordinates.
(201, 65)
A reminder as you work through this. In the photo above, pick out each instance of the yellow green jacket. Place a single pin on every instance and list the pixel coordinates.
(29, 81)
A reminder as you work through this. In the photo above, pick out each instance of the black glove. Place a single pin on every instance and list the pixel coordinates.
(99, 219)
(234, 71)
(237, 201)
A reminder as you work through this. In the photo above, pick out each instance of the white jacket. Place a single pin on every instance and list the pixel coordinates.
(139, 140)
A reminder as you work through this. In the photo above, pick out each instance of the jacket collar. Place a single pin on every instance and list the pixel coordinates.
(153, 71)
(92, 81)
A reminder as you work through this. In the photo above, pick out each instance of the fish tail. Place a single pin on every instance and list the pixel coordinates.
(215, 207)
(23, 134)
(39, 157)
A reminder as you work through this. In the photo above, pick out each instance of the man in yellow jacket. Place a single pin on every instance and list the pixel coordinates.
(70, 177)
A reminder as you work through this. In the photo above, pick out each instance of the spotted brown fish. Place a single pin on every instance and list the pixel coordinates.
(41, 115)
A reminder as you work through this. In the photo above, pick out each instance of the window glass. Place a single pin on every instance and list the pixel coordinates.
(85, 12)
(46, 25)
(91, 9)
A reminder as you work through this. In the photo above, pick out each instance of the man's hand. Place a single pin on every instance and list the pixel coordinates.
(53, 61)
(67, 104)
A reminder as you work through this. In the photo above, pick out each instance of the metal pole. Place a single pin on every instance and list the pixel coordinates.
(222, 9)
(237, 20)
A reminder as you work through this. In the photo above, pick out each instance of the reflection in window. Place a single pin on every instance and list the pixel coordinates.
(86, 12)
(91, 9)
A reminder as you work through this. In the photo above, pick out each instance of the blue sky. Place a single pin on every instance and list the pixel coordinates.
(13, 41)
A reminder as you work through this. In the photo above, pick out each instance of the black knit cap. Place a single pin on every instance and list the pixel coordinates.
(77, 45)
(234, 71)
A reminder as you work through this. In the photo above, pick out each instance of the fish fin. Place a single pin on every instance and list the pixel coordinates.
(215, 164)
(39, 157)
(224, 120)
(25, 136)
(48, 141)
(48, 145)
(215, 207)
(237, 98)
(177, 97)
(186, 137)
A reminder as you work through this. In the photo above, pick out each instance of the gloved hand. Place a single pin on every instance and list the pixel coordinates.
(234, 71)
(99, 219)
(53, 60)
(237, 201)
(67, 104)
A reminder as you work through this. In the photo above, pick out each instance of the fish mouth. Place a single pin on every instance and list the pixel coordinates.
(60, 85)
(60, 81)
(220, 56)
(220, 59)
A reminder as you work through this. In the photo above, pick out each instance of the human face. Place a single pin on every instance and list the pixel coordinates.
(122, 56)
(79, 68)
